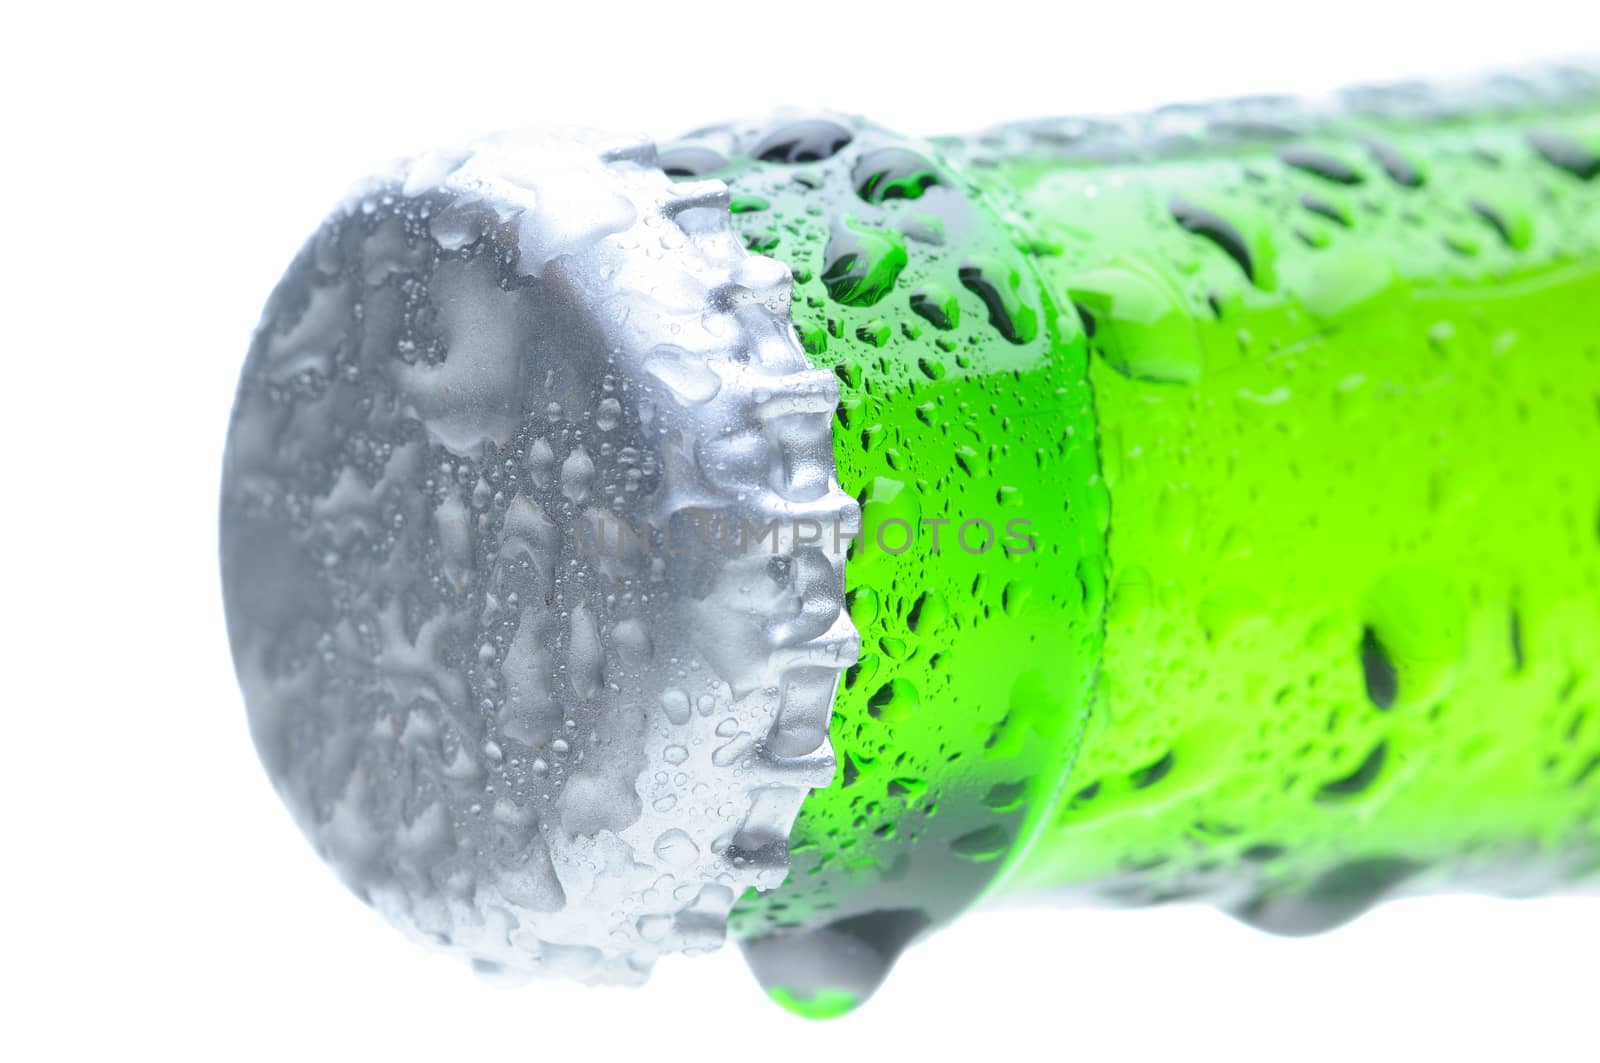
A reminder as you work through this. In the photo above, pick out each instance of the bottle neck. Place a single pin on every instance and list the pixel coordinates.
(1301, 621)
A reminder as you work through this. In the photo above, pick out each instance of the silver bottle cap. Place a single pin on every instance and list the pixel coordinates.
(532, 551)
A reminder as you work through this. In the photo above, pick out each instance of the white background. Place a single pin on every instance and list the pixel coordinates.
(161, 165)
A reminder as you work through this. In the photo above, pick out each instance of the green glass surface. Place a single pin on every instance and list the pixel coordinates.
(1354, 611)
(1304, 422)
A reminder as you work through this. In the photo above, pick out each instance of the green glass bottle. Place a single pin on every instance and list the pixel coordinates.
(1229, 527)
(1301, 413)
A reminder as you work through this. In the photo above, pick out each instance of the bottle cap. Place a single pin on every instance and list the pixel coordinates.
(532, 550)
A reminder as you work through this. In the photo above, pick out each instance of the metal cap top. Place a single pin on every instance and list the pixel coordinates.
(536, 632)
